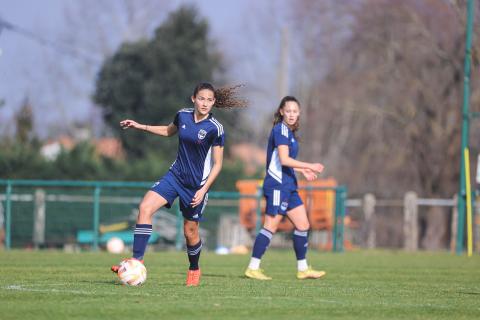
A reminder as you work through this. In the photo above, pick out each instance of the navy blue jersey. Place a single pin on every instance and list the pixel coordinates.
(195, 141)
(278, 176)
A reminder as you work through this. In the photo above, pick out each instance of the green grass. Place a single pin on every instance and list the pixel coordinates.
(358, 285)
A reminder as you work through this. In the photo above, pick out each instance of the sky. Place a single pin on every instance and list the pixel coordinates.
(27, 66)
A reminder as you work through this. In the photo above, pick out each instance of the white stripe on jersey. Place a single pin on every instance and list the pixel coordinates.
(218, 125)
(284, 130)
(275, 167)
(190, 110)
(207, 166)
(205, 201)
(218, 122)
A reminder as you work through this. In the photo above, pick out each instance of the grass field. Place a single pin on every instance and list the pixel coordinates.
(358, 285)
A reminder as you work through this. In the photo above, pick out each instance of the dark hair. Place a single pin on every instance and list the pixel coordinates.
(277, 117)
(225, 97)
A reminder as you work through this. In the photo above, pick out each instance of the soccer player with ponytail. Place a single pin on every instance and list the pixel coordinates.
(280, 191)
(199, 161)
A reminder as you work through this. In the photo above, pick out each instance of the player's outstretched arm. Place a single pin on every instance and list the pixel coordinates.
(287, 161)
(165, 131)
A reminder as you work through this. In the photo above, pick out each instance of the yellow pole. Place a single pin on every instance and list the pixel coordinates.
(469, 202)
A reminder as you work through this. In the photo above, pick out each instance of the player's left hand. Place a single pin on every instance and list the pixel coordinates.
(198, 197)
(310, 175)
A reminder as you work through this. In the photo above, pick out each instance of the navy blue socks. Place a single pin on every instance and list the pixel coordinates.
(194, 255)
(300, 243)
(140, 239)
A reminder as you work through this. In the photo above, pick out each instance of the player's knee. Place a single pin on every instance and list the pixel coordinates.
(271, 225)
(304, 226)
(271, 228)
(190, 233)
(146, 210)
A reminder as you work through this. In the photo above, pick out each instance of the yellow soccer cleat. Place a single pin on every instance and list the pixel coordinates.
(256, 274)
(310, 274)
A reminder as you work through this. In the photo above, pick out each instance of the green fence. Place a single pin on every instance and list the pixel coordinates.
(85, 206)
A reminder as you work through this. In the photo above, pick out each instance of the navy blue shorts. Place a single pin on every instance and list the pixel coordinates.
(169, 188)
(280, 201)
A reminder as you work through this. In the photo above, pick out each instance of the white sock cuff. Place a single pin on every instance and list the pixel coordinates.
(300, 233)
(254, 263)
(266, 233)
(302, 265)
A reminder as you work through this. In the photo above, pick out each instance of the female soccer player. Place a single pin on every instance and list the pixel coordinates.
(280, 191)
(199, 160)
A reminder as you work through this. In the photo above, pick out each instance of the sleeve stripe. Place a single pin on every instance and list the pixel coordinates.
(218, 125)
(284, 130)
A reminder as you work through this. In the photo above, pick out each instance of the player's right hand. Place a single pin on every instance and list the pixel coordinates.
(125, 124)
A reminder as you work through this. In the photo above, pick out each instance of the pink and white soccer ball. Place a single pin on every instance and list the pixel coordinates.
(132, 272)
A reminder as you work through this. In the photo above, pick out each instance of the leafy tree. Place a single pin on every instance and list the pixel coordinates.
(21, 161)
(24, 122)
(150, 80)
(79, 163)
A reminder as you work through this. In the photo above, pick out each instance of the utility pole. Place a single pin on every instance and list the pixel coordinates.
(465, 127)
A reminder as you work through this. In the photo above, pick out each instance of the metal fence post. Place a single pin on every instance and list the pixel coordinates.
(335, 221)
(178, 238)
(343, 198)
(8, 216)
(258, 222)
(338, 230)
(96, 216)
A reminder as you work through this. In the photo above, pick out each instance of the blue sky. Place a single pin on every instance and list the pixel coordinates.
(28, 67)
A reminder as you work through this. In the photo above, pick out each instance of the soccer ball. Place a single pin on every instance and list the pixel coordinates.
(132, 272)
(115, 245)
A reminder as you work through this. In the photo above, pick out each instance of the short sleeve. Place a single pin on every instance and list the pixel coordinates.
(175, 120)
(280, 135)
(219, 140)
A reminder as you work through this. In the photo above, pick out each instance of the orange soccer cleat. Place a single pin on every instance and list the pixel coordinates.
(193, 278)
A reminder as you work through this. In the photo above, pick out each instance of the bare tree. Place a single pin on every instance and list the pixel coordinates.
(385, 106)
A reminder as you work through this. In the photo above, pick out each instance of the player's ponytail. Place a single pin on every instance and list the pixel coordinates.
(277, 117)
(225, 97)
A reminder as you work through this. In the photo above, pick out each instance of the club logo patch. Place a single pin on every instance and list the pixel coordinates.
(284, 206)
(201, 134)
